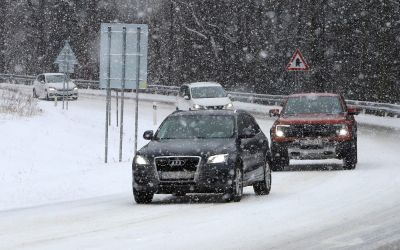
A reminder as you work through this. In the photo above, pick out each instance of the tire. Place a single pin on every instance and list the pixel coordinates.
(179, 194)
(34, 95)
(236, 192)
(279, 164)
(264, 187)
(142, 197)
(350, 159)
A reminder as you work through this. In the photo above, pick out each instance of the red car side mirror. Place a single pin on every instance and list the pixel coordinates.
(353, 110)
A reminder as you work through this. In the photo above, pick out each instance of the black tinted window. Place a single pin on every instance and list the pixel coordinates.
(197, 126)
(184, 90)
(247, 121)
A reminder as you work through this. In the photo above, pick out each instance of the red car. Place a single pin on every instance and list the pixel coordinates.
(314, 126)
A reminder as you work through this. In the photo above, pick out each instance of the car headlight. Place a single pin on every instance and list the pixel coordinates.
(141, 160)
(52, 89)
(218, 158)
(197, 106)
(75, 88)
(342, 130)
(229, 106)
(280, 130)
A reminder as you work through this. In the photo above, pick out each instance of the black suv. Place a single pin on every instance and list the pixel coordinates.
(203, 152)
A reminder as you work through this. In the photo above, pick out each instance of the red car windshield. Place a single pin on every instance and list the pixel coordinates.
(313, 104)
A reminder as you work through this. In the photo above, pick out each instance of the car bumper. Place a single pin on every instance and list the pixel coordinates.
(209, 178)
(298, 151)
(66, 94)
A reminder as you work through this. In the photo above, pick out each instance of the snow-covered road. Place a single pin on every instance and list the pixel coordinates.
(56, 193)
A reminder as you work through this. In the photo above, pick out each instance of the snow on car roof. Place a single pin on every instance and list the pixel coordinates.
(203, 84)
(312, 94)
(53, 74)
(207, 112)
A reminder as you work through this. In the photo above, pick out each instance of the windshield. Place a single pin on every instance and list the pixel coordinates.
(313, 105)
(55, 78)
(208, 92)
(197, 126)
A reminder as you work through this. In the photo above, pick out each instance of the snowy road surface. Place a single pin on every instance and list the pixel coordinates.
(56, 193)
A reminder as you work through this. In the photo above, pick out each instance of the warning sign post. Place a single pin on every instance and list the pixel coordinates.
(296, 64)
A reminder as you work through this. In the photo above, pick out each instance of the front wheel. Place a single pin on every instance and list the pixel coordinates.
(280, 157)
(279, 164)
(264, 187)
(350, 159)
(179, 194)
(236, 192)
(142, 197)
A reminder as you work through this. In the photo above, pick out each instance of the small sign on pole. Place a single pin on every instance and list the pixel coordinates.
(297, 63)
(66, 61)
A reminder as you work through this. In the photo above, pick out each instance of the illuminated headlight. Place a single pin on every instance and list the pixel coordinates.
(229, 106)
(52, 89)
(140, 160)
(342, 130)
(75, 88)
(280, 130)
(197, 106)
(218, 158)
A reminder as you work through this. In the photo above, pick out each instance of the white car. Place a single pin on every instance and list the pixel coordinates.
(203, 95)
(51, 85)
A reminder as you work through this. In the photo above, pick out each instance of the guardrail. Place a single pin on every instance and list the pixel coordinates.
(372, 108)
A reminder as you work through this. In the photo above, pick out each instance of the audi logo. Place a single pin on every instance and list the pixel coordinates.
(176, 163)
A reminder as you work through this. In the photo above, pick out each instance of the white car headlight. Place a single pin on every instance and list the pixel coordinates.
(75, 88)
(229, 106)
(197, 106)
(342, 130)
(51, 89)
(280, 130)
(140, 160)
(218, 158)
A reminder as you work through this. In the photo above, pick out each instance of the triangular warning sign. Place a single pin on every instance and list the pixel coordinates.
(297, 62)
(66, 55)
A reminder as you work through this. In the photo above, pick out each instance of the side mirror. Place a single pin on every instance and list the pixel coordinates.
(274, 112)
(247, 133)
(186, 97)
(353, 110)
(148, 135)
(229, 95)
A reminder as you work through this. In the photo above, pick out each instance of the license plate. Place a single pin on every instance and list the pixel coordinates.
(311, 142)
(176, 175)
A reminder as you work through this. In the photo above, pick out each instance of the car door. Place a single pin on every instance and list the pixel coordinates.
(253, 149)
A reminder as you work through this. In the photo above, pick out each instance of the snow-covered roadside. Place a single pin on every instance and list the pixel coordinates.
(59, 155)
(256, 109)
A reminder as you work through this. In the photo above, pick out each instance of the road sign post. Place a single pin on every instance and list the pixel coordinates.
(66, 60)
(125, 45)
(121, 128)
